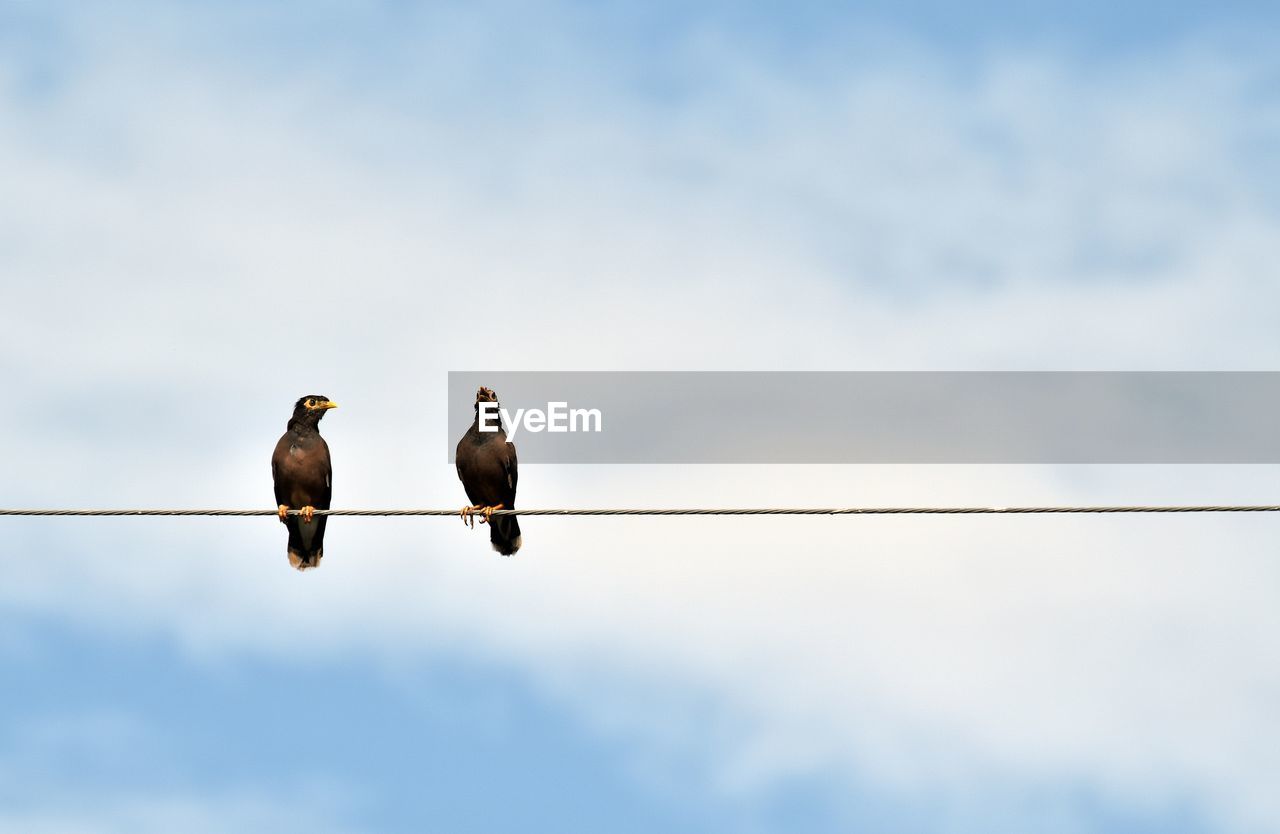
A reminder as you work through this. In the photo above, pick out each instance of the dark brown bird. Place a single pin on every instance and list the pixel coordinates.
(487, 468)
(304, 480)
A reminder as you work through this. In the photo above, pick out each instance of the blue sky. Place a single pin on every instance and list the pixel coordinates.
(212, 209)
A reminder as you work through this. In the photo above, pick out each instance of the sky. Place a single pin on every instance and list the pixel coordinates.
(212, 209)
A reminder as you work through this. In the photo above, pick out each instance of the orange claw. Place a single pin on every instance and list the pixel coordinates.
(488, 512)
(308, 512)
(283, 511)
(468, 515)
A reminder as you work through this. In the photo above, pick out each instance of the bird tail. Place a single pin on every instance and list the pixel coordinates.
(504, 534)
(305, 561)
(306, 542)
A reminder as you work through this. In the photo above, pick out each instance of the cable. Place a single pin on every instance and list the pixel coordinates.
(1032, 510)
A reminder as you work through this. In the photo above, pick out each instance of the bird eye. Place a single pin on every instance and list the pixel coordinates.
(311, 403)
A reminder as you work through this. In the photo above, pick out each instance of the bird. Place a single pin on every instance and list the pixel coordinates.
(487, 467)
(303, 475)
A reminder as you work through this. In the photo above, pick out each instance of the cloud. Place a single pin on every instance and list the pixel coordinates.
(194, 241)
(76, 773)
(161, 813)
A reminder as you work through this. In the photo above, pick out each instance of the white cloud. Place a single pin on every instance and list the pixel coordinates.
(145, 814)
(191, 247)
(46, 785)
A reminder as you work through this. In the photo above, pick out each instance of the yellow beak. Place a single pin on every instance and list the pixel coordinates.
(328, 404)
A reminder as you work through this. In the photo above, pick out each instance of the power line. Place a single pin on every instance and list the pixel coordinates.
(724, 511)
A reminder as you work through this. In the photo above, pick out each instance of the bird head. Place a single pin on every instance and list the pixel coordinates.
(309, 409)
(485, 395)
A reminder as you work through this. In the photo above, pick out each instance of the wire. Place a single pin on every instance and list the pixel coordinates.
(1031, 510)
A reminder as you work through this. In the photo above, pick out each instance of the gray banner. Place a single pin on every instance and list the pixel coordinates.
(880, 417)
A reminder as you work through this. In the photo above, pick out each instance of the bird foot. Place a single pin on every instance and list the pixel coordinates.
(283, 511)
(488, 513)
(307, 513)
(468, 515)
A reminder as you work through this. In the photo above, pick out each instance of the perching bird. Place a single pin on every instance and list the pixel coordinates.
(487, 468)
(304, 480)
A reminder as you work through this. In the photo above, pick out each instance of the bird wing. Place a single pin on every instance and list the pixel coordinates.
(324, 470)
(281, 482)
(511, 465)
